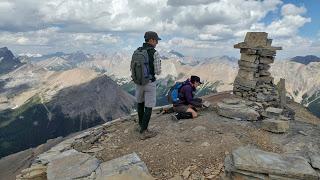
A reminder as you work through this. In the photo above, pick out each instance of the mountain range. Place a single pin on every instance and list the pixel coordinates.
(305, 59)
(53, 95)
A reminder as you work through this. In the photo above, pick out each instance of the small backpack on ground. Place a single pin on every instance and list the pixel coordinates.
(140, 70)
(173, 94)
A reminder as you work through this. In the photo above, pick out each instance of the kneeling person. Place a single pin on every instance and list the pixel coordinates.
(187, 105)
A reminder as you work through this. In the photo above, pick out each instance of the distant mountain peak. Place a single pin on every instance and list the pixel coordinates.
(176, 53)
(4, 49)
(306, 59)
(8, 61)
(6, 53)
(230, 58)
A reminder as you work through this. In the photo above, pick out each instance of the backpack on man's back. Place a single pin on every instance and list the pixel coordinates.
(140, 70)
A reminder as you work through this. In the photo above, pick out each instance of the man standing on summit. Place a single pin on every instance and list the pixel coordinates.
(145, 64)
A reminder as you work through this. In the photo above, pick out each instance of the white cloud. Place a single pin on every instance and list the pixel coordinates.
(54, 37)
(188, 2)
(188, 43)
(290, 9)
(198, 24)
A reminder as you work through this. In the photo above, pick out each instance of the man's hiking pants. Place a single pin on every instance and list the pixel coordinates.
(146, 99)
(146, 94)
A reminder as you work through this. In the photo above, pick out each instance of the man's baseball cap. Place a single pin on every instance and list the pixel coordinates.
(151, 35)
(195, 79)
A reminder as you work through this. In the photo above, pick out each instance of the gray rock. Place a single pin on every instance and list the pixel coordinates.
(273, 112)
(240, 174)
(51, 154)
(247, 74)
(246, 83)
(248, 64)
(249, 58)
(132, 174)
(315, 161)
(258, 161)
(232, 101)
(265, 79)
(276, 126)
(256, 39)
(261, 97)
(120, 165)
(71, 165)
(266, 60)
(237, 111)
(205, 144)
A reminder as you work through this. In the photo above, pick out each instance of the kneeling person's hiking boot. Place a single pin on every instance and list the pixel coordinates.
(174, 117)
(147, 134)
(184, 115)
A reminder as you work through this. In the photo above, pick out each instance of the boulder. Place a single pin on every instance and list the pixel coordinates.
(238, 111)
(276, 126)
(272, 164)
(71, 164)
(121, 165)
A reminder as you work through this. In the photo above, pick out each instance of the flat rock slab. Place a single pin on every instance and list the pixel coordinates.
(239, 111)
(71, 164)
(131, 174)
(121, 165)
(258, 161)
(52, 154)
(276, 126)
(233, 101)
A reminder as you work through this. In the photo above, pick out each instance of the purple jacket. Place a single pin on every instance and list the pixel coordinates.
(186, 95)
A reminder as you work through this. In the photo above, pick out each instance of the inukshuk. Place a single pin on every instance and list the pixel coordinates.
(254, 81)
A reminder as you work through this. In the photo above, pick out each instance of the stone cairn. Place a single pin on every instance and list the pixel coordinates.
(254, 81)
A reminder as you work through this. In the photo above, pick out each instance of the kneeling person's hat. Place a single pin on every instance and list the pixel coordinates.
(195, 79)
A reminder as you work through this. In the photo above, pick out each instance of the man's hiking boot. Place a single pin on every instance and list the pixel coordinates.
(147, 134)
(137, 127)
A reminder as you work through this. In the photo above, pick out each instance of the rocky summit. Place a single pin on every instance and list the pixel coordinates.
(208, 147)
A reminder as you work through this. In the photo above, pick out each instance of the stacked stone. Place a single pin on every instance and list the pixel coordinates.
(254, 81)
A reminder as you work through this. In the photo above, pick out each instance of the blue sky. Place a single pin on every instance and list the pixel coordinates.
(193, 27)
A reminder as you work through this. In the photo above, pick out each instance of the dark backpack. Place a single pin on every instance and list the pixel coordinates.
(173, 93)
(140, 70)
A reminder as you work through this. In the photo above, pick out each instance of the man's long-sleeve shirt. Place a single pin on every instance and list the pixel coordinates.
(157, 63)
